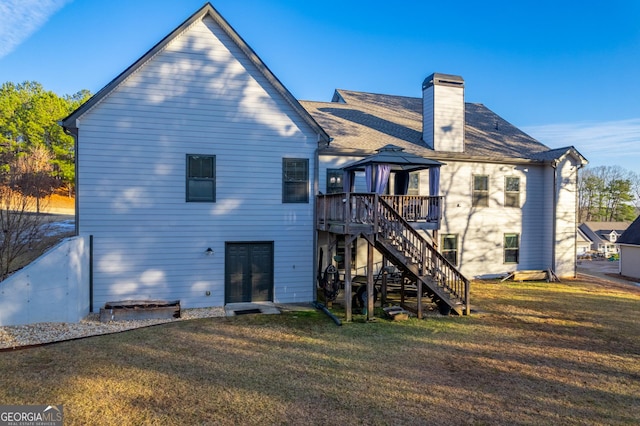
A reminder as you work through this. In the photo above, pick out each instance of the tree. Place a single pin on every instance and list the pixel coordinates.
(21, 224)
(29, 118)
(30, 174)
(606, 194)
(635, 189)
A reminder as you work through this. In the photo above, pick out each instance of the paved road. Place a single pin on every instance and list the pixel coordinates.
(601, 269)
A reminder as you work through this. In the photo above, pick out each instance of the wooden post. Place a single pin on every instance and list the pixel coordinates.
(347, 277)
(419, 297)
(383, 288)
(370, 290)
(467, 308)
(402, 278)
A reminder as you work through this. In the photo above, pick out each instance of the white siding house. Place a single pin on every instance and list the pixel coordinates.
(197, 176)
(185, 152)
(509, 201)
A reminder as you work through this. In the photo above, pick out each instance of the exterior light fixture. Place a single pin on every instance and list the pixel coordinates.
(209, 251)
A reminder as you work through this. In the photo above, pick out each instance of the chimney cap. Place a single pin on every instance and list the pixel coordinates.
(443, 80)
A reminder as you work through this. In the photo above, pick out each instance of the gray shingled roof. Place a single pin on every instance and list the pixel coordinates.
(599, 231)
(632, 234)
(362, 122)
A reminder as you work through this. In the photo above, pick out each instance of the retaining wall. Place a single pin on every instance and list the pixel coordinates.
(54, 288)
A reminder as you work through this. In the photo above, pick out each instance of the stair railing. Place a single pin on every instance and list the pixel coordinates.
(394, 228)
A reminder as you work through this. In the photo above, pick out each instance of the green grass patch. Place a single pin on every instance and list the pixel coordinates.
(534, 353)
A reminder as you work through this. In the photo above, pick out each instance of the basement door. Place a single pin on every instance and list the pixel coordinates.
(248, 272)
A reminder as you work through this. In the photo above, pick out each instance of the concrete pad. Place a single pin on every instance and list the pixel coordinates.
(233, 309)
(295, 307)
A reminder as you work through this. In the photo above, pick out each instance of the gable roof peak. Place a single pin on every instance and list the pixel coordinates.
(207, 10)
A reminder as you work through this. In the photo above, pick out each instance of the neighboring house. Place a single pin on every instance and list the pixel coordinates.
(197, 176)
(195, 171)
(508, 201)
(603, 235)
(583, 243)
(629, 243)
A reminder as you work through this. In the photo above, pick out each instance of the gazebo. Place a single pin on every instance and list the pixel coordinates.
(392, 159)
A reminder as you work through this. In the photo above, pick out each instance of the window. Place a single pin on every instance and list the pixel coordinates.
(414, 184)
(511, 191)
(201, 178)
(295, 180)
(450, 248)
(480, 191)
(511, 248)
(334, 181)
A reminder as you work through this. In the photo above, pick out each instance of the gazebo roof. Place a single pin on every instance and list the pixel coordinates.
(396, 158)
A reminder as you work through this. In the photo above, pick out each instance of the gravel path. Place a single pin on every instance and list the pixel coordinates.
(34, 334)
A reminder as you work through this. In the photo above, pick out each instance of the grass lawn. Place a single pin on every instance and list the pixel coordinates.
(535, 353)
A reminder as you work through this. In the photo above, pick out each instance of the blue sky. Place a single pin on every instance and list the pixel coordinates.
(566, 72)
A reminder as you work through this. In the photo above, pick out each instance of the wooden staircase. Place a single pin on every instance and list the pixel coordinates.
(372, 217)
(410, 252)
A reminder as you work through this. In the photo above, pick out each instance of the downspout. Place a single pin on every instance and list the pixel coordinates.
(316, 177)
(316, 190)
(74, 134)
(575, 243)
(554, 165)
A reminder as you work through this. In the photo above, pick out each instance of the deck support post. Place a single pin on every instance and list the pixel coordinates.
(370, 290)
(419, 297)
(383, 287)
(347, 277)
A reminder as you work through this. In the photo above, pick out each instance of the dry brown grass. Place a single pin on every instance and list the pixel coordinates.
(59, 200)
(536, 353)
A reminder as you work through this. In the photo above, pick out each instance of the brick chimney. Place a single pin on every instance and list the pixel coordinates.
(443, 112)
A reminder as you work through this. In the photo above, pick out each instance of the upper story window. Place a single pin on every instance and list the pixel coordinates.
(334, 181)
(511, 248)
(201, 178)
(480, 191)
(511, 191)
(295, 180)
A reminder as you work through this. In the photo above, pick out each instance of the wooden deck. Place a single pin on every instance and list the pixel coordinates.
(388, 225)
(352, 213)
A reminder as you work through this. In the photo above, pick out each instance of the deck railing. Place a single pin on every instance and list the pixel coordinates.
(355, 207)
